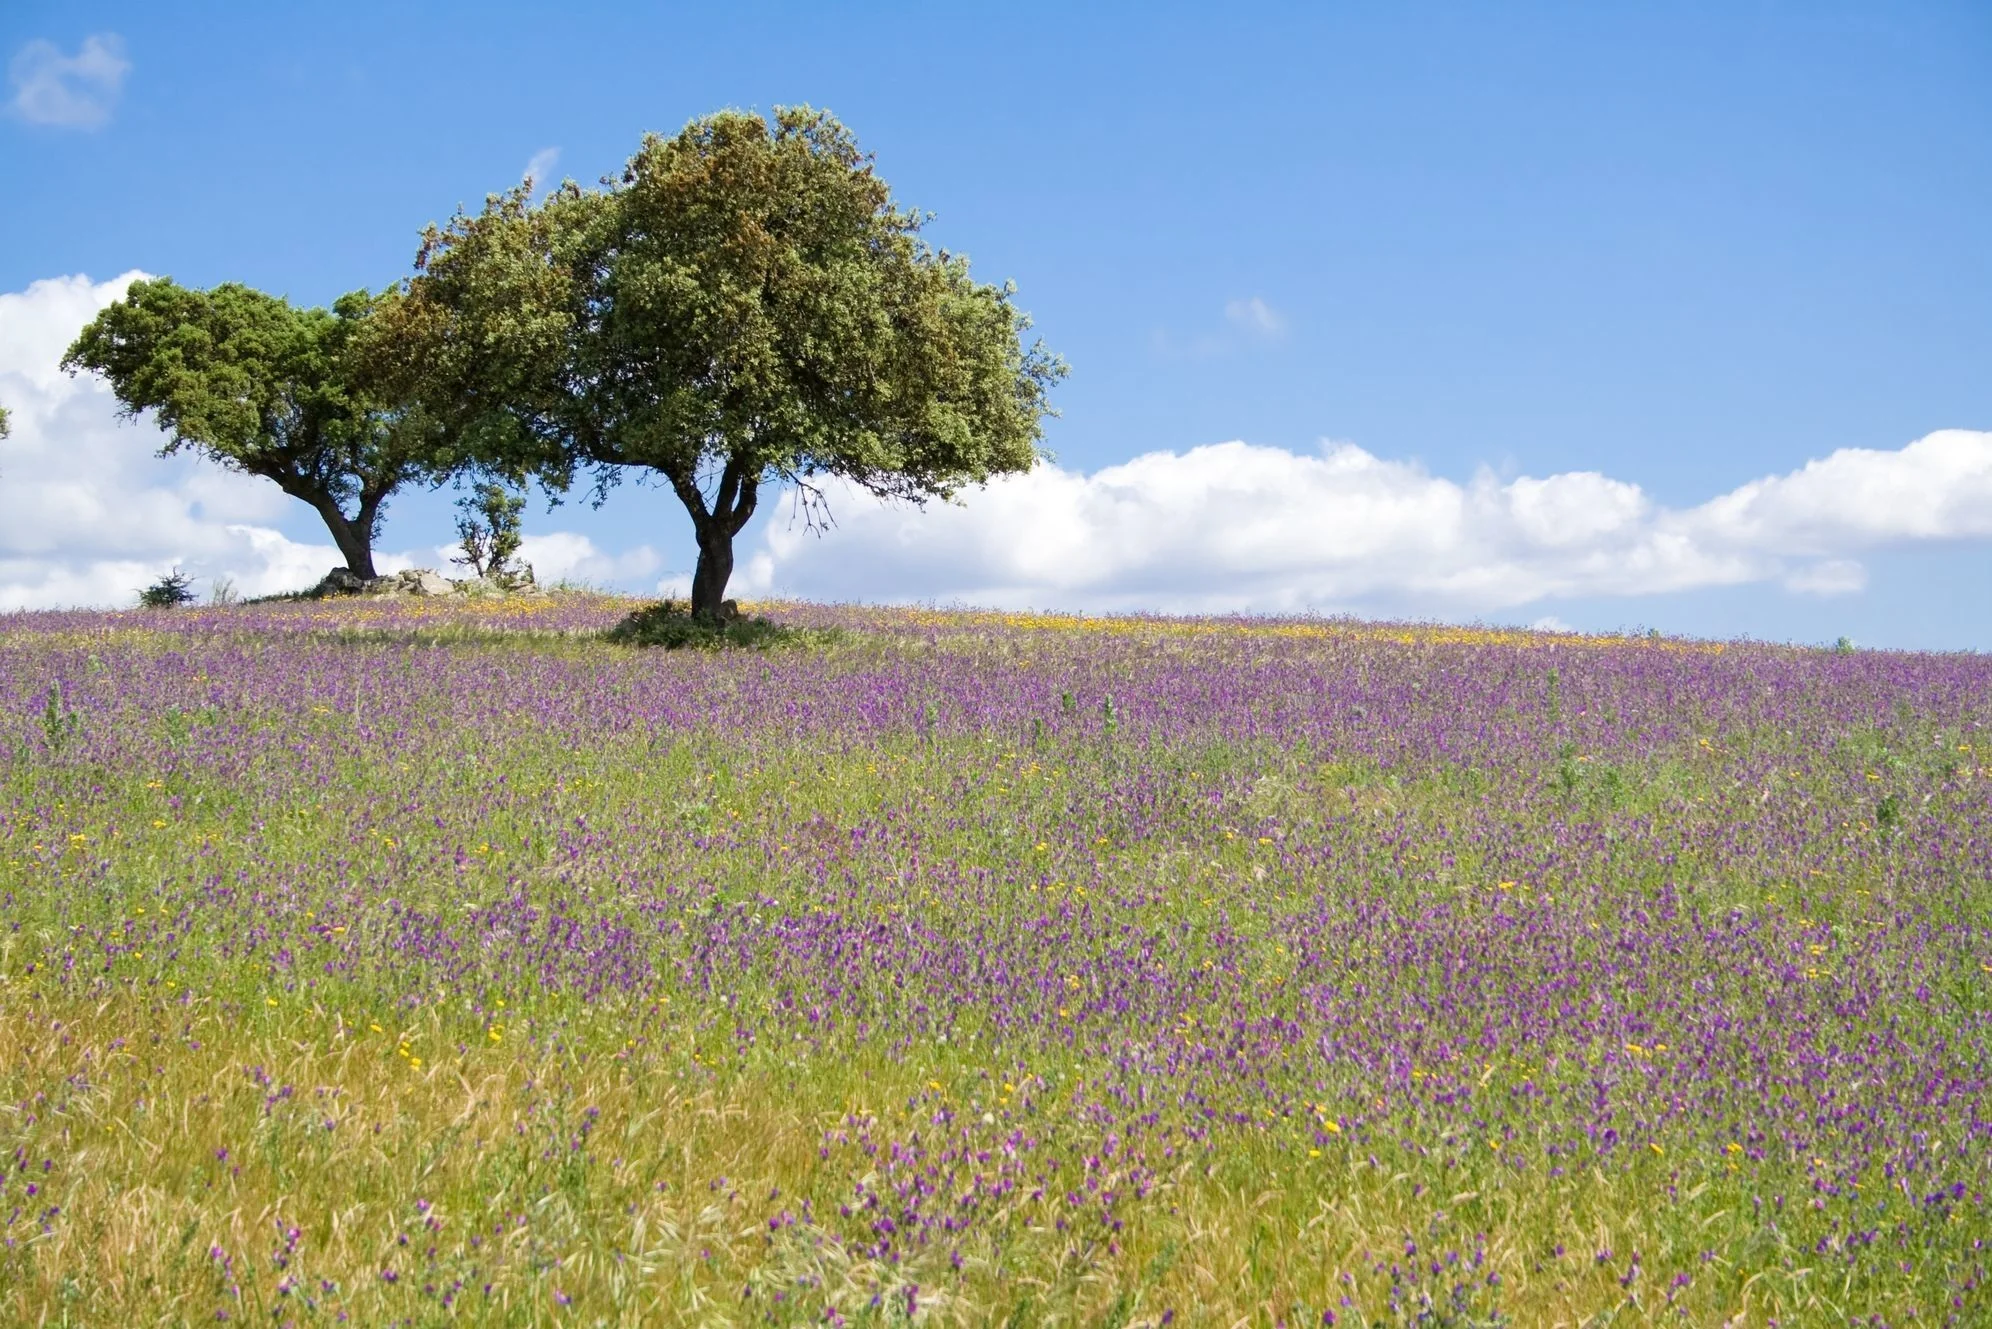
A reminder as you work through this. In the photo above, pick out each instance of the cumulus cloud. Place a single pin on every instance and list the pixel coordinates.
(568, 556)
(71, 91)
(1232, 526)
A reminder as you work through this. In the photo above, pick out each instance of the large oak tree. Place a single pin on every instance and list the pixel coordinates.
(291, 394)
(746, 307)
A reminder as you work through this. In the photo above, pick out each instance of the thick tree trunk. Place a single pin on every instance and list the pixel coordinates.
(354, 538)
(714, 570)
(715, 525)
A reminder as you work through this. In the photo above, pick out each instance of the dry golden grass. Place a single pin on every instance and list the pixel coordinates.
(189, 1139)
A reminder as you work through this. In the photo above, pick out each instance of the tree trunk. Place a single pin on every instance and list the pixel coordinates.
(715, 568)
(715, 525)
(354, 538)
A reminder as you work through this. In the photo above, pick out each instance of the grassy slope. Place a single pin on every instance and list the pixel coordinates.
(245, 1076)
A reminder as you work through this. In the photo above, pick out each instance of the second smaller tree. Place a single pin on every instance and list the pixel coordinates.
(261, 386)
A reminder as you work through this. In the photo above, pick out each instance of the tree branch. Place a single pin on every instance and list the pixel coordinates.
(687, 490)
(812, 505)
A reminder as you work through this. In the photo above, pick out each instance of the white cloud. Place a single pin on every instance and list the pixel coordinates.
(72, 91)
(558, 556)
(568, 556)
(1939, 487)
(539, 171)
(1232, 526)
(1255, 316)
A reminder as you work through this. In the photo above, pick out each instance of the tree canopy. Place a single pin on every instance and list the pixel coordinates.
(745, 307)
(301, 397)
(5, 427)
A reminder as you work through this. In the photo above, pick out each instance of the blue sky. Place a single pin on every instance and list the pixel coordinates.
(1683, 246)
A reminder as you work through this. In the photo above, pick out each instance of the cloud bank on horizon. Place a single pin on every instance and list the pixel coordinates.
(1233, 526)
(88, 515)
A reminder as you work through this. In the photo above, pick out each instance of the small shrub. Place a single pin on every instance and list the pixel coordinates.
(175, 588)
(674, 627)
(489, 533)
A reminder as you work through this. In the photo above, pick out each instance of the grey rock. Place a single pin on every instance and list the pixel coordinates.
(412, 581)
(514, 580)
(423, 581)
(340, 581)
(481, 587)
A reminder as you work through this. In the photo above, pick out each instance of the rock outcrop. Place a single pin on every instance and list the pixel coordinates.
(422, 582)
(339, 581)
(514, 580)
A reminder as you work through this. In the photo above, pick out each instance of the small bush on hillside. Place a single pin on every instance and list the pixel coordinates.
(489, 533)
(673, 626)
(175, 588)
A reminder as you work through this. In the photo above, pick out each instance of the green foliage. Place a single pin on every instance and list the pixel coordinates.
(176, 723)
(1869, 748)
(1887, 814)
(172, 589)
(488, 529)
(261, 386)
(746, 306)
(59, 723)
(675, 627)
(5, 427)
(1568, 778)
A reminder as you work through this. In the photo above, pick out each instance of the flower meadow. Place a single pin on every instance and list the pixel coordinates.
(398, 962)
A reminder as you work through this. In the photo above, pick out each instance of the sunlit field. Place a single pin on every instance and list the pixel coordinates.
(400, 963)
